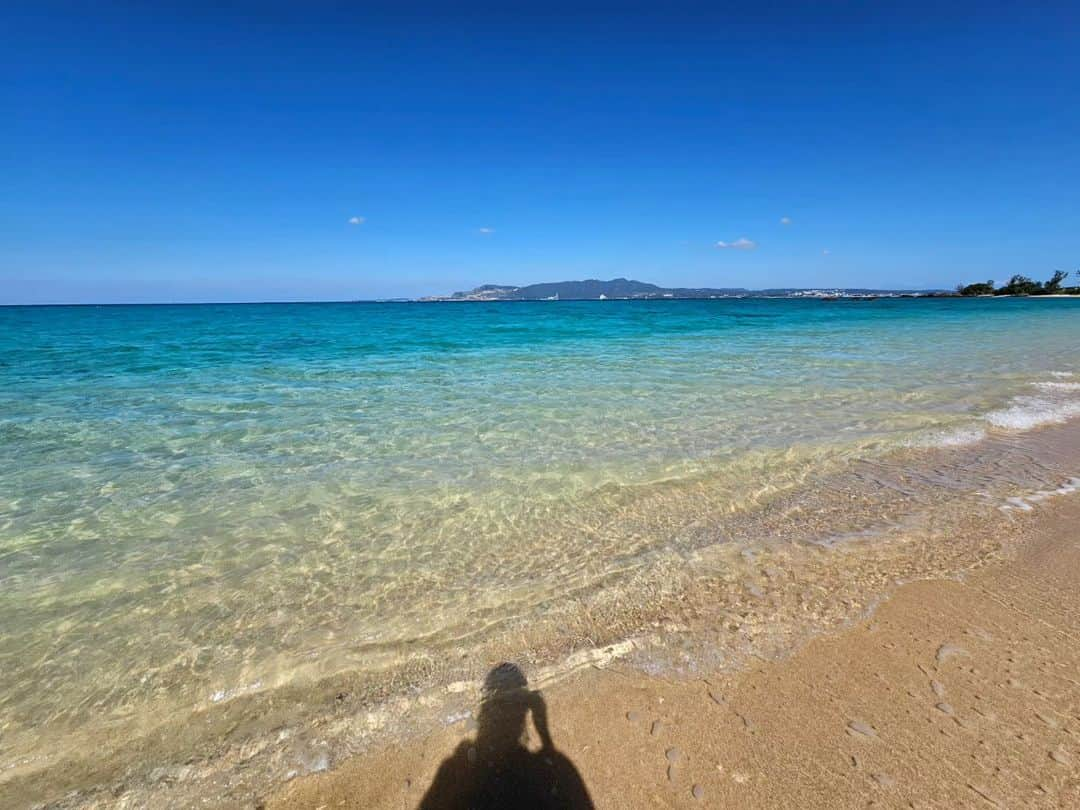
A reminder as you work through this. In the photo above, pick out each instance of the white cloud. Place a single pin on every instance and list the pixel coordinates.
(356, 220)
(826, 252)
(742, 243)
(486, 231)
(785, 220)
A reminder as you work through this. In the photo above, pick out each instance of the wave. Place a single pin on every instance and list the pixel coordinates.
(1032, 412)
(956, 437)
(1056, 402)
(1025, 503)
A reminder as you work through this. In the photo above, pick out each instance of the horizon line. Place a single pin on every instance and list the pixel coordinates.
(448, 300)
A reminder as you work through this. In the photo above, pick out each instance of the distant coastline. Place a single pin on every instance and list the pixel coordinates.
(622, 289)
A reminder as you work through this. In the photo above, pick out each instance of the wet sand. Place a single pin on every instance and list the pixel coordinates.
(953, 693)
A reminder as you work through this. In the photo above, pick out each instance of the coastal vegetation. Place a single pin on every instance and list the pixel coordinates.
(1022, 285)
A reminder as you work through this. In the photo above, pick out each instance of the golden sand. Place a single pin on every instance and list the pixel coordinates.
(952, 694)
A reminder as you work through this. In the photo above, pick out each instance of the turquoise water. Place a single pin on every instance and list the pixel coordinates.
(202, 501)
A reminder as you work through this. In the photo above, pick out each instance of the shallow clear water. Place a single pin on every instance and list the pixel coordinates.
(198, 501)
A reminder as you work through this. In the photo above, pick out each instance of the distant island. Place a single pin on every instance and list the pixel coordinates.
(627, 289)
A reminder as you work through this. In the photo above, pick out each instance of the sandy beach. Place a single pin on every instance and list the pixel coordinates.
(953, 693)
(551, 406)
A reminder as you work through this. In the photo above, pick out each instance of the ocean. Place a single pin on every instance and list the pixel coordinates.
(213, 514)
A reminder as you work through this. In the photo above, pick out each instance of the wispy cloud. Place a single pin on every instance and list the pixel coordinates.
(742, 243)
(785, 220)
(826, 252)
(356, 220)
(486, 231)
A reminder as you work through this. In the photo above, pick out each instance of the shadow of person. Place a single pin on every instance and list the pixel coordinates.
(496, 770)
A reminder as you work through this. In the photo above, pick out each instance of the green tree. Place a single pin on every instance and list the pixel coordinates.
(1021, 285)
(1054, 284)
(980, 288)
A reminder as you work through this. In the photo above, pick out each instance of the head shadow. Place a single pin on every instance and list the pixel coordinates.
(498, 769)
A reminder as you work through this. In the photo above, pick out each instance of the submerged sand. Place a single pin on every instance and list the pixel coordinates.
(953, 693)
(748, 669)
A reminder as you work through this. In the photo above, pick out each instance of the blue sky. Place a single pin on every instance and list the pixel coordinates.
(176, 152)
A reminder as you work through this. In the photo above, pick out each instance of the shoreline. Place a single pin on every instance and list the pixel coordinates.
(713, 611)
(953, 692)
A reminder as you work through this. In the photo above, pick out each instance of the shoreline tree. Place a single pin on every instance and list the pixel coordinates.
(1021, 285)
(980, 288)
(1054, 284)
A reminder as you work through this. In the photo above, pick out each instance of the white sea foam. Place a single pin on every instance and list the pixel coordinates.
(1024, 502)
(956, 438)
(1056, 402)
(1058, 386)
(222, 695)
(1069, 487)
(1030, 412)
(950, 437)
(1017, 503)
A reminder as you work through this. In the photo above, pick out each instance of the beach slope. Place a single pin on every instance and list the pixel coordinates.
(952, 694)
